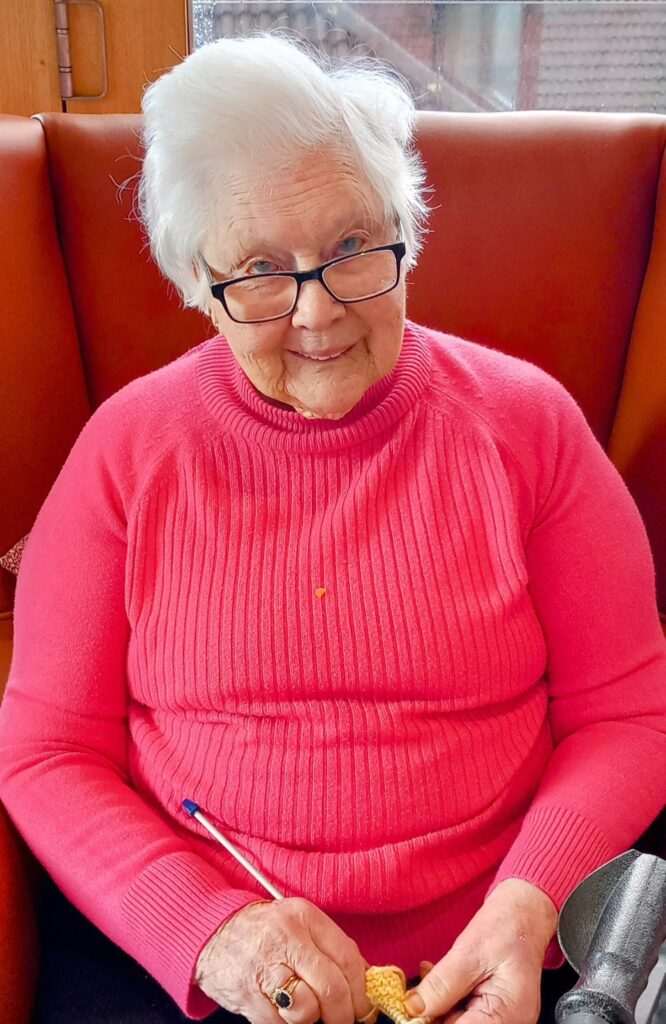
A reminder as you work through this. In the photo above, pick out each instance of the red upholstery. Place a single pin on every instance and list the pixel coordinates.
(540, 239)
(548, 240)
(43, 402)
(128, 321)
(638, 441)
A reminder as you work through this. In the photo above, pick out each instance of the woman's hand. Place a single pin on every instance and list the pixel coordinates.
(261, 946)
(492, 973)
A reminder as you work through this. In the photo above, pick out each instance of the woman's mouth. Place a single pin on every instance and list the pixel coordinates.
(323, 357)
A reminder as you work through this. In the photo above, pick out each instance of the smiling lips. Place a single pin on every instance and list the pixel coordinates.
(323, 357)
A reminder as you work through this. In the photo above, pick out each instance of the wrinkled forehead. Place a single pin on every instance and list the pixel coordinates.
(300, 209)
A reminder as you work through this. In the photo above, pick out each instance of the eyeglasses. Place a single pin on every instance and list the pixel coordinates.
(364, 275)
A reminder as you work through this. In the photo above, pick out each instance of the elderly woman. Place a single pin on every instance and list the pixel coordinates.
(371, 595)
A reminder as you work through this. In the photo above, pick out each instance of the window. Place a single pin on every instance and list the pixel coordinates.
(481, 56)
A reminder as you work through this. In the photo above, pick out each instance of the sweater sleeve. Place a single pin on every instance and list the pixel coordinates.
(591, 579)
(64, 773)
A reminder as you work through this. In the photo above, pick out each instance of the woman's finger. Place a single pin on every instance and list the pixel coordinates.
(493, 1005)
(335, 945)
(304, 1007)
(328, 983)
(453, 1017)
(476, 1015)
(444, 986)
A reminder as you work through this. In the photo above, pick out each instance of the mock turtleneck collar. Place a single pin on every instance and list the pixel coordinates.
(231, 398)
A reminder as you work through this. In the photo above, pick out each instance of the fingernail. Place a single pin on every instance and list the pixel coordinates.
(414, 1004)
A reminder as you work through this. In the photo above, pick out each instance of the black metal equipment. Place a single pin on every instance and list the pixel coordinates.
(611, 929)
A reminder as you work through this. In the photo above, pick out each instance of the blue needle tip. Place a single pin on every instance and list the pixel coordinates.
(190, 807)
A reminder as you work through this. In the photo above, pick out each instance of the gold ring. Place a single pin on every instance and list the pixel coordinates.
(370, 1017)
(281, 997)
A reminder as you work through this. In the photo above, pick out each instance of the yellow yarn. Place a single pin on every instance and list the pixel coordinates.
(386, 988)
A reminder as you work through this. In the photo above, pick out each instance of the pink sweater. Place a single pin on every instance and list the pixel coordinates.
(479, 693)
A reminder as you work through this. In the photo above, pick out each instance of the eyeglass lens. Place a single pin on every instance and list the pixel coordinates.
(359, 277)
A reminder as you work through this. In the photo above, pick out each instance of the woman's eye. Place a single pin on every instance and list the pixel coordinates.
(351, 245)
(261, 267)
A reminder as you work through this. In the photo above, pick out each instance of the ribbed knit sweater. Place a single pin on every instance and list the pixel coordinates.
(396, 657)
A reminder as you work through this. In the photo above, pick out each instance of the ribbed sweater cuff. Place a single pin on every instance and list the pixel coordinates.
(173, 908)
(555, 849)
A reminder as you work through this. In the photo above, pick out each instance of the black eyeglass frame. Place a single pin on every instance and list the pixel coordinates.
(218, 288)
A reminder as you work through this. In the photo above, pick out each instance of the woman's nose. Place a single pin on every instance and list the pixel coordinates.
(315, 308)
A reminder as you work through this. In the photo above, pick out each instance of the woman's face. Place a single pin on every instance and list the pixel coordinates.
(320, 211)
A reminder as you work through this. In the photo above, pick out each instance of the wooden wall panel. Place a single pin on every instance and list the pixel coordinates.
(29, 66)
(143, 38)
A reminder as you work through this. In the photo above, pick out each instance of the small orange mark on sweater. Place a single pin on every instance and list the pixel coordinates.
(320, 591)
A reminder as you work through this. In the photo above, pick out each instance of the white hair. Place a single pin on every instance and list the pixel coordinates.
(233, 100)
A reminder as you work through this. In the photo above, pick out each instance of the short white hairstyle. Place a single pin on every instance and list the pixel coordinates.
(209, 119)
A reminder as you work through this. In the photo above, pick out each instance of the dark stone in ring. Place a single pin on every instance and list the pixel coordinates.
(282, 995)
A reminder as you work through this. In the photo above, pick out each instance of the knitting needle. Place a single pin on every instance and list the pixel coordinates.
(194, 812)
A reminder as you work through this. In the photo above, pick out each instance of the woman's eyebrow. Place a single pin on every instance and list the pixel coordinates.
(248, 247)
(251, 248)
(242, 253)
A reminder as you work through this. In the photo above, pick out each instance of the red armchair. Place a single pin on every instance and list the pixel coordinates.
(548, 240)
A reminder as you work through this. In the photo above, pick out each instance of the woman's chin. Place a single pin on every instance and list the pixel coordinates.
(325, 407)
(328, 392)
(310, 413)
(332, 407)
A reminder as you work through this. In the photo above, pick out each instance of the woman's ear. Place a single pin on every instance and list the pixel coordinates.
(210, 315)
(196, 267)
(214, 319)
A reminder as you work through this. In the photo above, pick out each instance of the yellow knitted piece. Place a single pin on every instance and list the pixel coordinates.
(386, 988)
